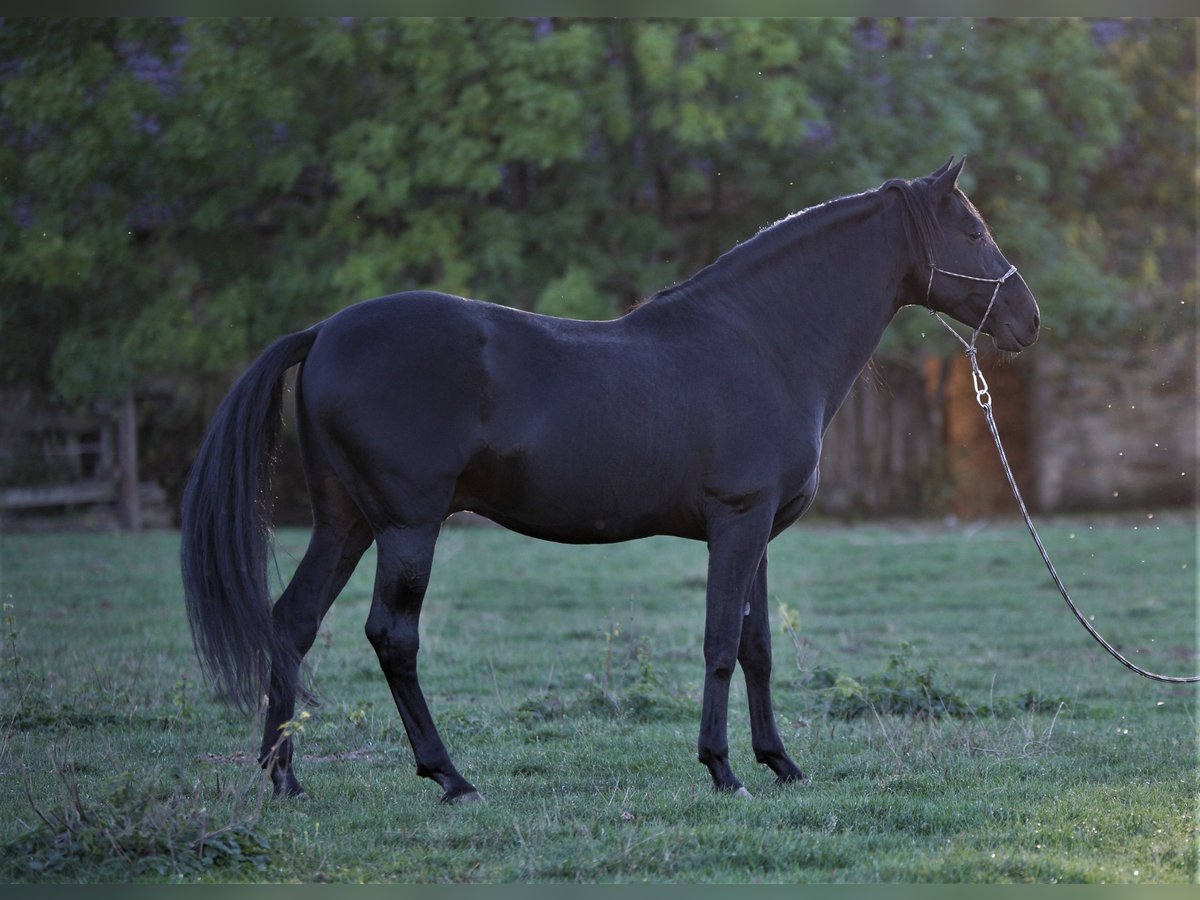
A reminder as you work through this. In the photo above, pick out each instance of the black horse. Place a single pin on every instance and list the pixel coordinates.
(699, 413)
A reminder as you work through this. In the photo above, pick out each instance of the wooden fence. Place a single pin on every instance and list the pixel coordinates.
(74, 464)
(911, 440)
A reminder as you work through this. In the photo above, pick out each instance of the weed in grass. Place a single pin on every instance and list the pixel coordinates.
(629, 687)
(130, 826)
(906, 689)
(542, 708)
(10, 660)
(901, 689)
(789, 624)
(21, 691)
(647, 699)
(135, 829)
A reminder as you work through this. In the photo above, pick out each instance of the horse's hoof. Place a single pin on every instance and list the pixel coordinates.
(732, 791)
(464, 797)
(287, 787)
(792, 778)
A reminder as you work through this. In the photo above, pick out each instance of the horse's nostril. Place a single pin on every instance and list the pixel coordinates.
(1037, 321)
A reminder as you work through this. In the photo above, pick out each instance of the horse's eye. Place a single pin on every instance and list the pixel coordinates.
(976, 236)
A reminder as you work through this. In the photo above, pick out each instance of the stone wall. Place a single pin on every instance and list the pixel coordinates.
(1111, 430)
(1116, 429)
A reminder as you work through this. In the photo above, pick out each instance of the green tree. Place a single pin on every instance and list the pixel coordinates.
(1144, 196)
(180, 192)
(78, 121)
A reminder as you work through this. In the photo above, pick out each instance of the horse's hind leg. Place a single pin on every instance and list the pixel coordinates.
(405, 560)
(339, 539)
(754, 656)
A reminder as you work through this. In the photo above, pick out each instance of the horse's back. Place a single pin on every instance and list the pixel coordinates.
(422, 347)
(516, 415)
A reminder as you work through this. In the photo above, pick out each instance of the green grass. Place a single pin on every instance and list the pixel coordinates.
(957, 723)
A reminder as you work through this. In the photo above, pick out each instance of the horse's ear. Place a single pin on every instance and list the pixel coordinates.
(946, 177)
(941, 170)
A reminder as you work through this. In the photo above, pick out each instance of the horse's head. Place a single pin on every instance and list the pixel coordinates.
(967, 277)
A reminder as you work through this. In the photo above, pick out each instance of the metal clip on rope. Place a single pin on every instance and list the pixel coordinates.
(984, 398)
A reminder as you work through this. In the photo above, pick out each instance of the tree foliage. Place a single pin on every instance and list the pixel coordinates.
(178, 192)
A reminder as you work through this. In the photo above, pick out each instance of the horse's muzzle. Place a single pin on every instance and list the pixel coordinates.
(1020, 327)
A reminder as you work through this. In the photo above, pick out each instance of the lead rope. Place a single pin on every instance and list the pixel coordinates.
(984, 399)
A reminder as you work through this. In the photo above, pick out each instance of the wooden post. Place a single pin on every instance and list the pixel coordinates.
(129, 511)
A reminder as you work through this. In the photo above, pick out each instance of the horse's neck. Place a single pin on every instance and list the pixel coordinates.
(820, 305)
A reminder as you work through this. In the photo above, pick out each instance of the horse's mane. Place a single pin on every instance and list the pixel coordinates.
(921, 228)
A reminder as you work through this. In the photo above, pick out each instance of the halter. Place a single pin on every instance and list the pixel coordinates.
(998, 282)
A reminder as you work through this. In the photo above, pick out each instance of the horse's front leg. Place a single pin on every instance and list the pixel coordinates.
(754, 656)
(735, 547)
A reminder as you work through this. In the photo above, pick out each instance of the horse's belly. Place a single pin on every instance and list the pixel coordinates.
(565, 499)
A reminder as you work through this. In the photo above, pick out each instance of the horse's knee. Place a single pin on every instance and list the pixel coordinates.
(756, 665)
(405, 565)
(395, 642)
(720, 667)
(395, 637)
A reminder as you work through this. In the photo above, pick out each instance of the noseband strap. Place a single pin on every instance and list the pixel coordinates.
(998, 282)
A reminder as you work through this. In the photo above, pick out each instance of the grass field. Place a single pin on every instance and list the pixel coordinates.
(957, 723)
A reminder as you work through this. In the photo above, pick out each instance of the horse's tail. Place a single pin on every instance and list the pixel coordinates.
(225, 527)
